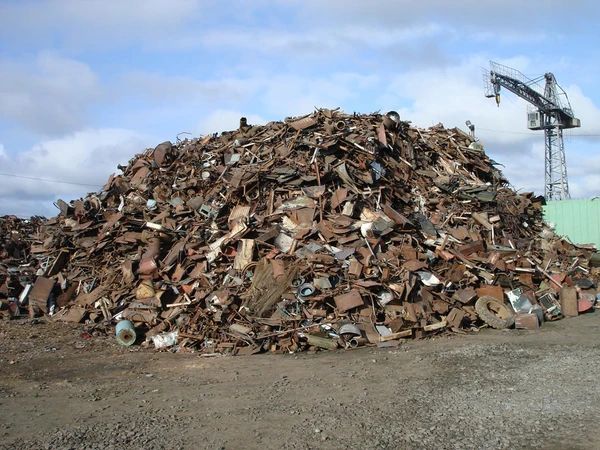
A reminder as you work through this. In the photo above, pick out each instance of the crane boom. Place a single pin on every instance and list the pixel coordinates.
(552, 113)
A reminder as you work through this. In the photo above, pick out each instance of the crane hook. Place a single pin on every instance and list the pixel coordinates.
(497, 92)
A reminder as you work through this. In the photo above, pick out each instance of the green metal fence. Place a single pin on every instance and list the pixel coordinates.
(577, 219)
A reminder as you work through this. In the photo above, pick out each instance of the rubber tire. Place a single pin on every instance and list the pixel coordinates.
(482, 308)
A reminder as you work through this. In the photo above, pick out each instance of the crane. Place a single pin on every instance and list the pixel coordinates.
(550, 111)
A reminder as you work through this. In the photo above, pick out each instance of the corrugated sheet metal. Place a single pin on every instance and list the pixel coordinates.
(577, 219)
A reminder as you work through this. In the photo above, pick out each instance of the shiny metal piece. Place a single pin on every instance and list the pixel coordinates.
(155, 226)
(391, 120)
(349, 328)
(176, 201)
(24, 295)
(394, 116)
(306, 290)
(519, 301)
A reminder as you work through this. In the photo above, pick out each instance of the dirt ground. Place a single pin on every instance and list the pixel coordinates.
(487, 390)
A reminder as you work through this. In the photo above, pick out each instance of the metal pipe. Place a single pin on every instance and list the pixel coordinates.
(340, 125)
(322, 342)
(357, 342)
(125, 332)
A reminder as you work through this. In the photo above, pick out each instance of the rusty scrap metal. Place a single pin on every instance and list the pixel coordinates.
(273, 238)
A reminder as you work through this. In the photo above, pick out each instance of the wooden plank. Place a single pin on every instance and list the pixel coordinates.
(399, 334)
(245, 253)
(568, 301)
(435, 326)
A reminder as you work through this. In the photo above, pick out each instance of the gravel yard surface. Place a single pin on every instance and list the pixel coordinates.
(488, 390)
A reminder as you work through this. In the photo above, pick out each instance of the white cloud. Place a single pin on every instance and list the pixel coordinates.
(524, 169)
(102, 23)
(291, 95)
(49, 95)
(313, 25)
(585, 109)
(511, 36)
(278, 95)
(583, 169)
(86, 157)
(585, 187)
(453, 95)
(176, 89)
(309, 42)
(472, 15)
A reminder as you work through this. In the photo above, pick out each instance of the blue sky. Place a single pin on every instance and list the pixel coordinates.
(86, 84)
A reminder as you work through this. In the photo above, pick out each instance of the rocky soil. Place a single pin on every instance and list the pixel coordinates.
(489, 390)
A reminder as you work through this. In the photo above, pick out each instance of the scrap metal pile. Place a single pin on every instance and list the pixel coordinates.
(17, 267)
(329, 230)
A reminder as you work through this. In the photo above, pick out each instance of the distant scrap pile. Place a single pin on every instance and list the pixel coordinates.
(325, 231)
(17, 267)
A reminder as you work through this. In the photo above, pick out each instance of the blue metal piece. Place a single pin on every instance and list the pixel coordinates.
(125, 332)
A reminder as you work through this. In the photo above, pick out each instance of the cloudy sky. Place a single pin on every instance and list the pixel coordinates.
(87, 84)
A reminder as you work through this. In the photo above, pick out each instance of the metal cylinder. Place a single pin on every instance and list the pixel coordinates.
(125, 333)
(391, 120)
(350, 329)
(306, 290)
(394, 116)
(155, 226)
(357, 342)
(340, 125)
(321, 342)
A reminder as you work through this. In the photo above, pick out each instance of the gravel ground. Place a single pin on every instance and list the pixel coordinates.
(493, 389)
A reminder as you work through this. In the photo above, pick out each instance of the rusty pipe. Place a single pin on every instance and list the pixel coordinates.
(357, 342)
(339, 125)
(321, 342)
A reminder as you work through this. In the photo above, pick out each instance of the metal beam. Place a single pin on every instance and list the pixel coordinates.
(557, 185)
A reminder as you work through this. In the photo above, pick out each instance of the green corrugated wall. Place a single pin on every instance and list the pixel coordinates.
(577, 219)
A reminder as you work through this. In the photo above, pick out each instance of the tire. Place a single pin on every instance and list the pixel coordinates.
(494, 312)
